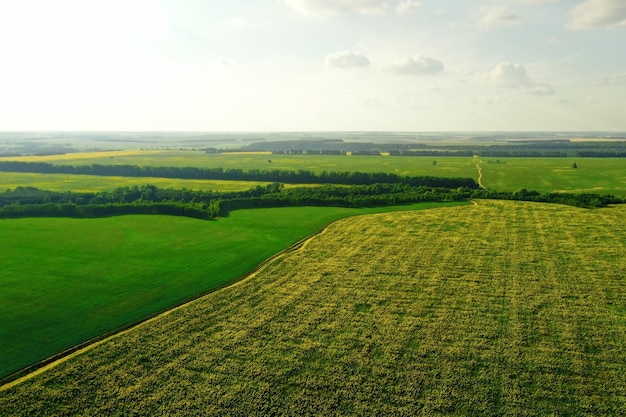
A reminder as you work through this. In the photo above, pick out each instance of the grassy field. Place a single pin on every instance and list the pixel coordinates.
(65, 281)
(592, 175)
(93, 183)
(495, 309)
(446, 167)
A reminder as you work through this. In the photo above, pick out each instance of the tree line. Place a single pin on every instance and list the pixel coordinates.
(149, 199)
(236, 174)
(507, 146)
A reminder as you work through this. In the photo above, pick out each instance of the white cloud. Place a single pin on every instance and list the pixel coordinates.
(594, 13)
(417, 65)
(514, 75)
(347, 59)
(509, 75)
(494, 16)
(326, 8)
(407, 7)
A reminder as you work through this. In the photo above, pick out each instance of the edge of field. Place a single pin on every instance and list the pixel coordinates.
(40, 367)
(35, 369)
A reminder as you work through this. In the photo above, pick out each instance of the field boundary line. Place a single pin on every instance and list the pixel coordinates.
(51, 362)
(46, 364)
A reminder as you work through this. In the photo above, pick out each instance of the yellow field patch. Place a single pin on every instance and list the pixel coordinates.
(68, 157)
(94, 183)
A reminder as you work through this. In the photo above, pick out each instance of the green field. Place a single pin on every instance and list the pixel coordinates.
(494, 309)
(65, 281)
(446, 167)
(592, 175)
(94, 183)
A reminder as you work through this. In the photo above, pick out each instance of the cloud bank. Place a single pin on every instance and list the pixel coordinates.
(598, 13)
(495, 16)
(510, 75)
(514, 75)
(417, 65)
(347, 59)
(408, 7)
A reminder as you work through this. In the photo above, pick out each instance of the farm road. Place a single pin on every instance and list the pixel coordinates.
(480, 176)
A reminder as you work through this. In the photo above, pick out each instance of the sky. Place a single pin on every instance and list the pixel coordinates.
(313, 65)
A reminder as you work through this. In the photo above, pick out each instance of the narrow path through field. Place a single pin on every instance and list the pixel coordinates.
(58, 359)
(480, 176)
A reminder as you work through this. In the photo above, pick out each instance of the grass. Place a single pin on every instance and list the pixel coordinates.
(446, 167)
(496, 309)
(65, 281)
(93, 183)
(593, 175)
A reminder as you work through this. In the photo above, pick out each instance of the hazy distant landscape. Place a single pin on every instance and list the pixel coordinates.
(22, 143)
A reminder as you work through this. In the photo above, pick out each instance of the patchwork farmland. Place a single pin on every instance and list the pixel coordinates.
(499, 308)
(484, 307)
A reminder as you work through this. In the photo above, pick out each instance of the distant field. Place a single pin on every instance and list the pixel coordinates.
(68, 280)
(592, 175)
(92, 183)
(495, 309)
(446, 167)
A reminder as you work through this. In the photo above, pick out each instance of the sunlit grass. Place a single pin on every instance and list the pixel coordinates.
(83, 156)
(417, 166)
(93, 183)
(592, 175)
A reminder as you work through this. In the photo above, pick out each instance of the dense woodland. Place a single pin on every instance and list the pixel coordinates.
(341, 189)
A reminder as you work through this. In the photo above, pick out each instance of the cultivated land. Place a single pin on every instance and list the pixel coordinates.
(592, 175)
(446, 167)
(94, 183)
(495, 309)
(543, 174)
(499, 308)
(65, 281)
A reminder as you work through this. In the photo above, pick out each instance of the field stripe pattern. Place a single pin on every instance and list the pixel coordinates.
(500, 308)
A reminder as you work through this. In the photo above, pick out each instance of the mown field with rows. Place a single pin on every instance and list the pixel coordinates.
(499, 308)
